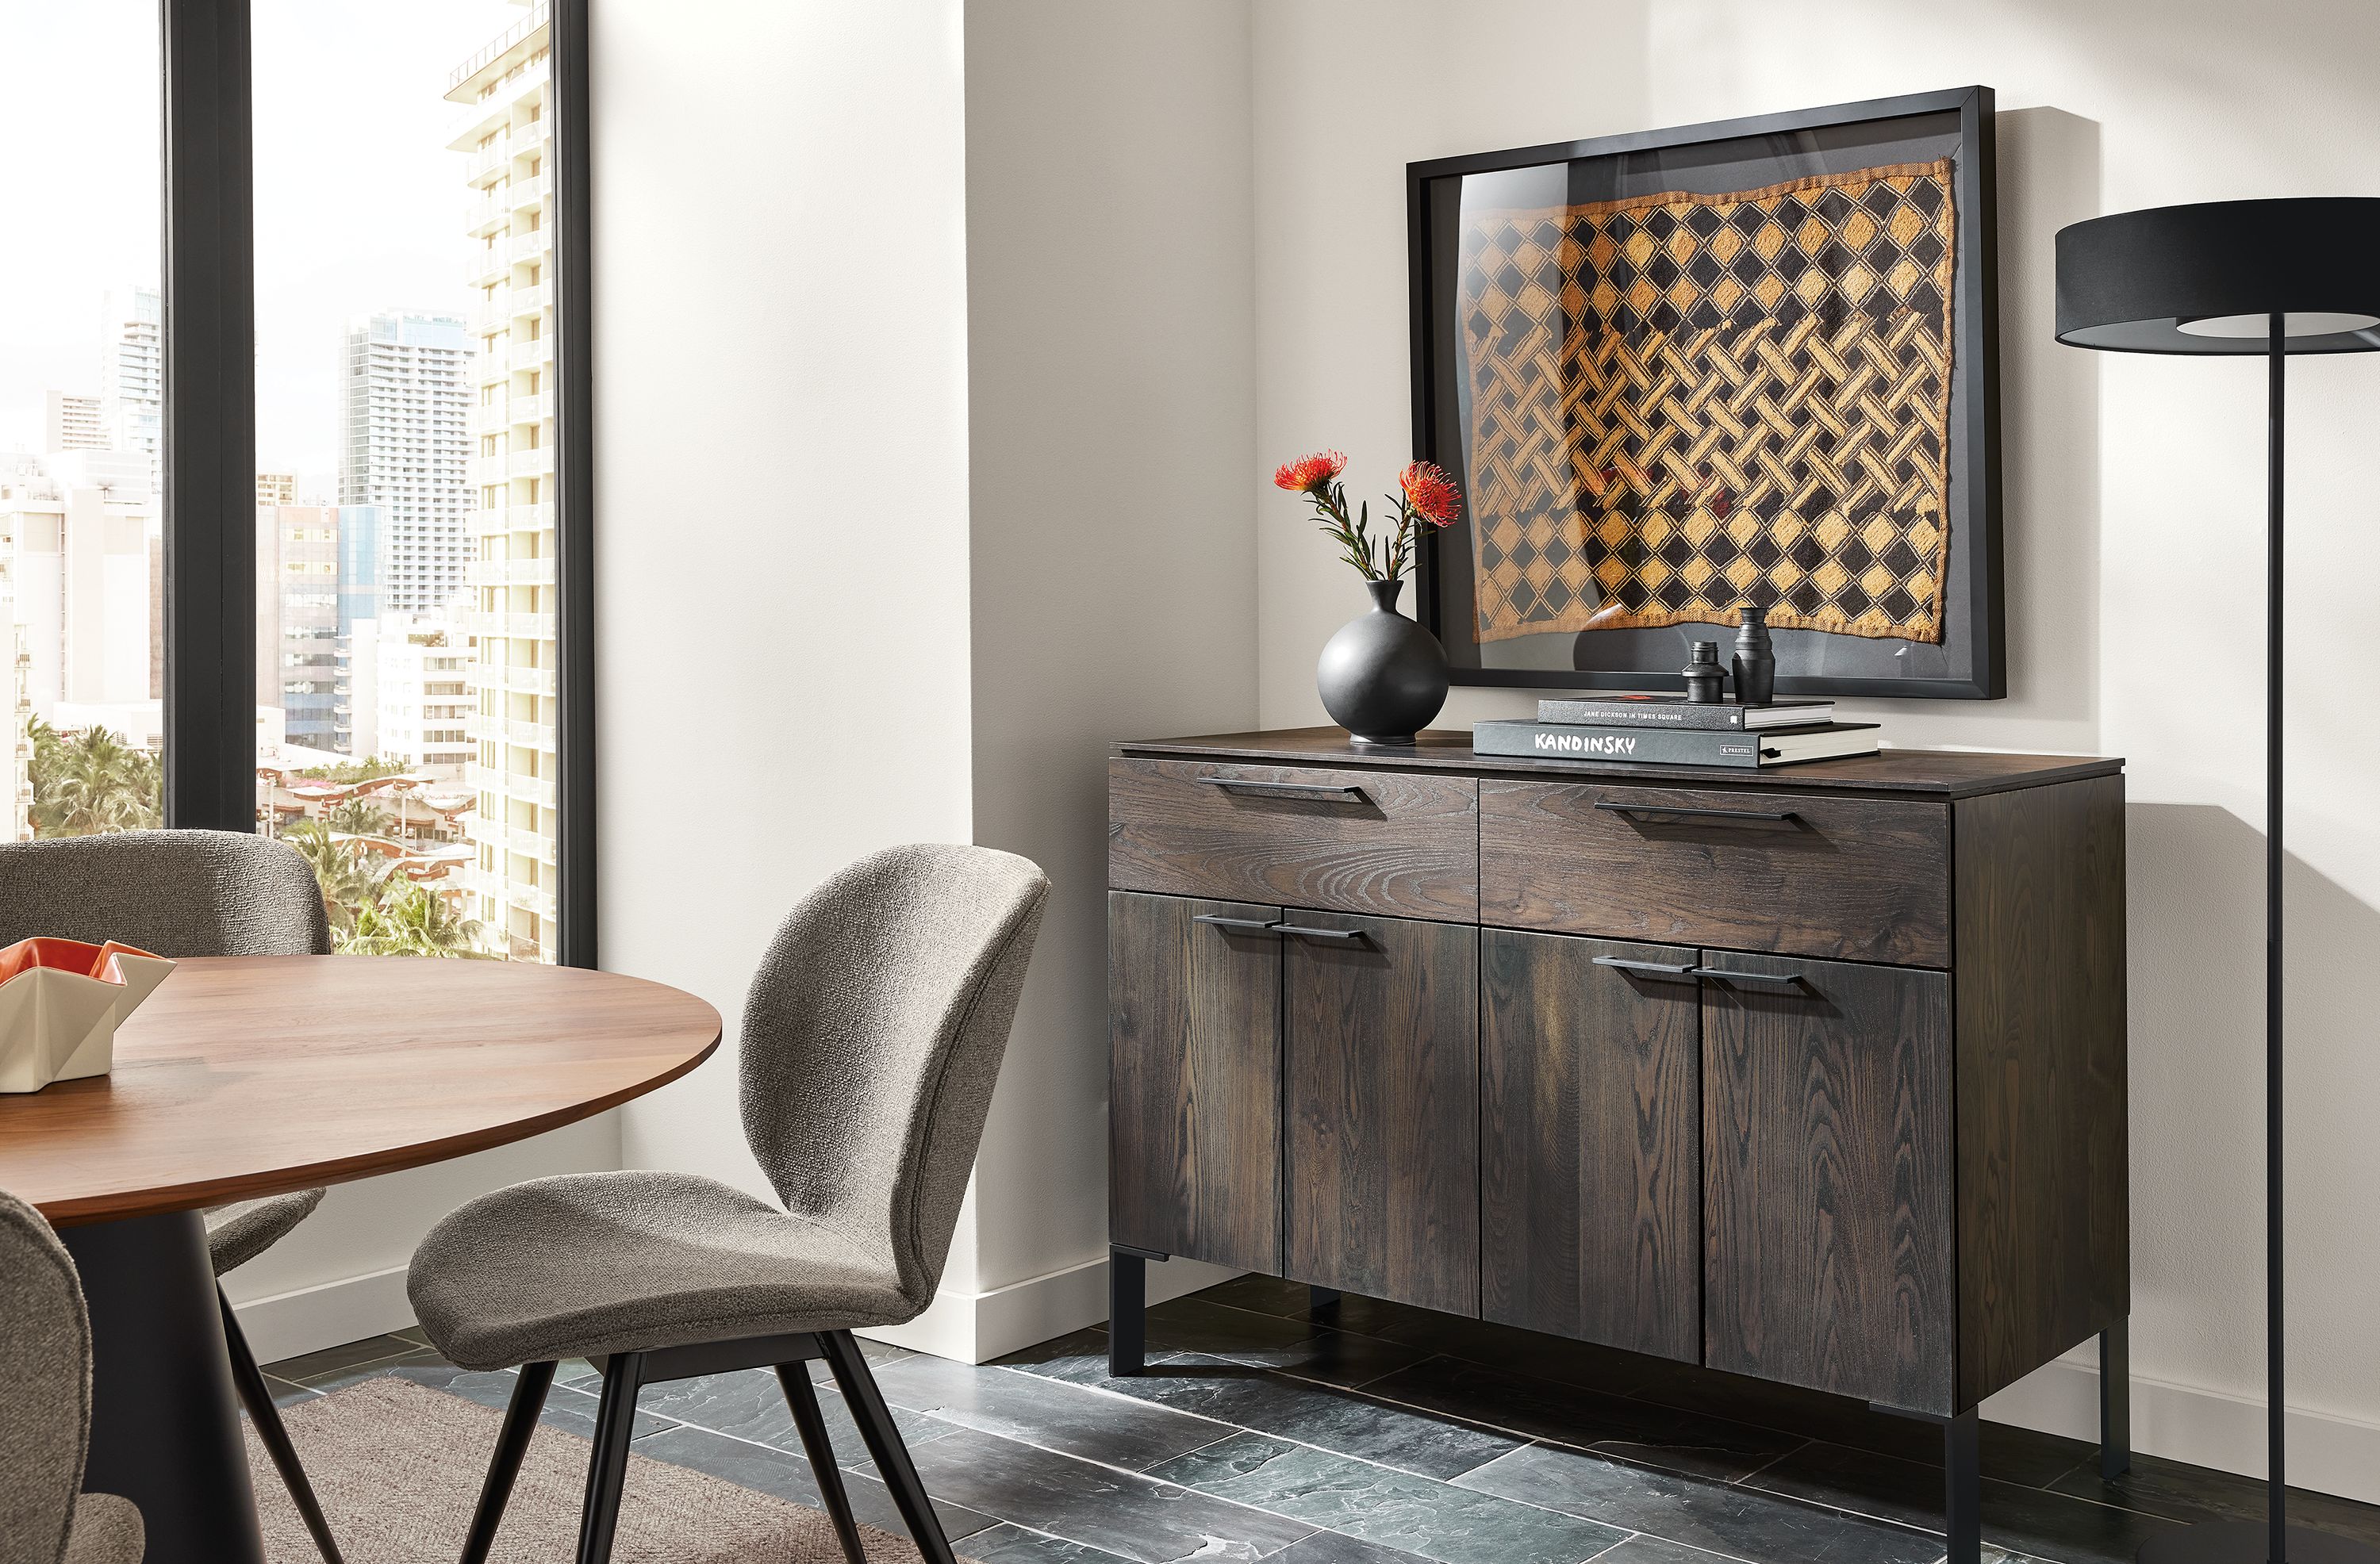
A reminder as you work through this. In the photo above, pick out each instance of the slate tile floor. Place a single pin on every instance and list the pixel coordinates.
(1358, 1432)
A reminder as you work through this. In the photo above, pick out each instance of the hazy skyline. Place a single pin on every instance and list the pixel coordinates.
(358, 205)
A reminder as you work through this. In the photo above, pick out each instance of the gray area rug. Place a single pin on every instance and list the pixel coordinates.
(398, 1467)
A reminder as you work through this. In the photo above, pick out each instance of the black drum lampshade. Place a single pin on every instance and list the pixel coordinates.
(2209, 278)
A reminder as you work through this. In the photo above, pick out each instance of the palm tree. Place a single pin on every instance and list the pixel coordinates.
(91, 783)
(356, 817)
(350, 882)
(410, 919)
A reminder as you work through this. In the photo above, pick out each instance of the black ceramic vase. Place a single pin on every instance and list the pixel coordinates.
(1382, 677)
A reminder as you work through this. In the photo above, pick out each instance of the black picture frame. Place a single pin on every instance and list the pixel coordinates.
(1971, 661)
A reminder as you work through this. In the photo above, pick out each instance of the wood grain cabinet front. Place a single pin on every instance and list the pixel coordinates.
(1382, 1056)
(1590, 1154)
(1860, 878)
(1388, 843)
(1826, 1193)
(1194, 1083)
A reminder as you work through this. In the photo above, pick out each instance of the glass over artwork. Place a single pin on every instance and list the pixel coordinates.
(1679, 379)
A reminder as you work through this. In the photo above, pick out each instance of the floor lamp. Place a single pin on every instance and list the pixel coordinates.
(2272, 277)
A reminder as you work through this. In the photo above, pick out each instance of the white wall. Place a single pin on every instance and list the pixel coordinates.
(782, 491)
(873, 640)
(1112, 333)
(2134, 541)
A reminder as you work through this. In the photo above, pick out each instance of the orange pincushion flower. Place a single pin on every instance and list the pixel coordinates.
(1431, 494)
(1311, 475)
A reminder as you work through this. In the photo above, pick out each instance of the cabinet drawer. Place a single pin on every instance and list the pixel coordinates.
(1853, 878)
(1388, 843)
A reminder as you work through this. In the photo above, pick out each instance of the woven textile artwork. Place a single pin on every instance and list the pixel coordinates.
(1679, 401)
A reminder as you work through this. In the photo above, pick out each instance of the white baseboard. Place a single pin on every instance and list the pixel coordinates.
(329, 1315)
(980, 1327)
(2328, 1453)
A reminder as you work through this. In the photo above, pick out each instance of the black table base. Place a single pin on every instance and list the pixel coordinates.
(164, 1426)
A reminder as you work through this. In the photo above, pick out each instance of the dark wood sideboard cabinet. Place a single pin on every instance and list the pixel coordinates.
(1814, 1074)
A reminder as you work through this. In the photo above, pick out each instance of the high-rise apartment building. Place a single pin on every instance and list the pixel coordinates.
(72, 423)
(297, 620)
(74, 593)
(503, 136)
(405, 402)
(132, 377)
(423, 695)
(276, 488)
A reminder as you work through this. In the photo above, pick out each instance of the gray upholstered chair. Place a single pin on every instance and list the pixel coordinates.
(871, 1038)
(45, 1518)
(189, 893)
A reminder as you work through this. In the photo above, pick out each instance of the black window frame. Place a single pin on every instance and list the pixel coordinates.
(208, 235)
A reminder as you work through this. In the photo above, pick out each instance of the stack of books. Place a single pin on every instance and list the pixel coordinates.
(1666, 730)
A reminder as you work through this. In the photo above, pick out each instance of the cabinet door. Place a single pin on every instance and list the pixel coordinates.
(1194, 1079)
(1826, 1177)
(1382, 1087)
(1590, 1127)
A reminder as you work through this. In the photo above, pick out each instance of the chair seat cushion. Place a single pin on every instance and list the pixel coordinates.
(588, 1264)
(107, 1529)
(240, 1231)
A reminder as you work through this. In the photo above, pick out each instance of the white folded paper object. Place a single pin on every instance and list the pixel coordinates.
(60, 1002)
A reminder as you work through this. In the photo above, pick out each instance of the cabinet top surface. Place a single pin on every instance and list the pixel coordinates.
(1947, 774)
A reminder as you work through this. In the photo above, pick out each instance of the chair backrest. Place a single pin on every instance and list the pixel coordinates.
(46, 1364)
(171, 893)
(872, 1039)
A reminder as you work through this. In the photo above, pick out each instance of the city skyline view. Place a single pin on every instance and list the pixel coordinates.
(405, 653)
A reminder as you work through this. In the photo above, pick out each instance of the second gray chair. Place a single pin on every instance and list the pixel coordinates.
(871, 1040)
(189, 893)
(45, 1518)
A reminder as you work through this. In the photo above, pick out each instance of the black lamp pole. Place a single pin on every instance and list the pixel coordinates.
(2274, 277)
(2276, 1505)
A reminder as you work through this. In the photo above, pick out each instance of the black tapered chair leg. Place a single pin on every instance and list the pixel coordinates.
(607, 1467)
(257, 1397)
(883, 1436)
(512, 1443)
(803, 1400)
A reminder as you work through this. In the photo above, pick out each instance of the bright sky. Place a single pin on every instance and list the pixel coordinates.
(358, 205)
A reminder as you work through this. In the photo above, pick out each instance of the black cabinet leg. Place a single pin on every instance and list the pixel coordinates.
(1321, 1299)
(1127, 1304)
(2116, 1399)
(1962, 1487)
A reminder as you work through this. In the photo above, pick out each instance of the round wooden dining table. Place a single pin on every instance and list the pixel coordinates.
(244, 1077)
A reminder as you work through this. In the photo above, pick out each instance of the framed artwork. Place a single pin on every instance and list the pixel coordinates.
(1682, 369)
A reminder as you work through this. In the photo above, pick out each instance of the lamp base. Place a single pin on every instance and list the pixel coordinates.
(2248, 1542)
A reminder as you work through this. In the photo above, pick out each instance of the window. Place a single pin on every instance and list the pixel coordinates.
(360, 494)
(377, 761)
(81, 425)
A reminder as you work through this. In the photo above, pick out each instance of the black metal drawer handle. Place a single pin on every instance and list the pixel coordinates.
(1741, 817)
(1243, 925)
(1656, 968)
(1287, 790)
(1790, 979)
(1353, 935)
